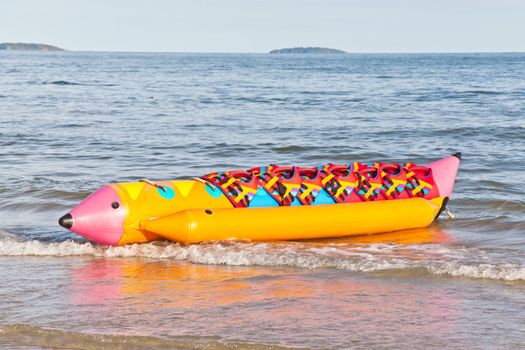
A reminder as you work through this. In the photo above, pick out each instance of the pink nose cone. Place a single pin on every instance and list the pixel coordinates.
(444, 172)
(99, 217)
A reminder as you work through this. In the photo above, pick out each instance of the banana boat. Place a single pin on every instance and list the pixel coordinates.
(268, 203)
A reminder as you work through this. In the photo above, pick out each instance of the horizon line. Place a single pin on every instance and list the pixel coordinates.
(257, 52)
(277, 54)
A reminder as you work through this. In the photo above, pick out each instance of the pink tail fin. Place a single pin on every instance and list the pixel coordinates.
(444, 172)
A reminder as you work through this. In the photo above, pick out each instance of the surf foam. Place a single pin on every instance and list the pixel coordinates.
(436, 259)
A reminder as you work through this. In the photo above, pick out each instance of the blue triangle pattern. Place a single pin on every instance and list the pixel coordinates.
(262, 199)
(323, 198)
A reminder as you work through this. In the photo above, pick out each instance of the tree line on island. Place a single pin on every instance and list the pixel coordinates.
(28, 47)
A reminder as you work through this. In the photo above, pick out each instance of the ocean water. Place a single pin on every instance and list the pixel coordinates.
(72, 122)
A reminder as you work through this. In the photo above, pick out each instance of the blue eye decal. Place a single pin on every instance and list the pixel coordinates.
(213, 191)
(166, 192)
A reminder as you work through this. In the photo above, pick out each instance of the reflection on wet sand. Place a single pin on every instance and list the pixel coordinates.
(259, 303)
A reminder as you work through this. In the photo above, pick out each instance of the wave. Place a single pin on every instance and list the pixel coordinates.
(17, 335)
(466, 95)
(437, 259)
(65, 82)
(387, 77)
(482, 92)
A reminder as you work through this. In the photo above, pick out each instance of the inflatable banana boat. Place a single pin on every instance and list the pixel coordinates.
(268, 203)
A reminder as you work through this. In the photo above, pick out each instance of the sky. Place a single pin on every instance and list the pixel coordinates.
(263, 25)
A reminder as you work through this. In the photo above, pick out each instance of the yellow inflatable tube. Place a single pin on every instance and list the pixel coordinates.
(291, 223)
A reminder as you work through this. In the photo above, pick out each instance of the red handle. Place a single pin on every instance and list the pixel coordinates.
(419, 168)
(365, 171)
(392, 169)
(307, 172)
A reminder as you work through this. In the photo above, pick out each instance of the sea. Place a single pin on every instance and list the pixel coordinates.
(71, 122)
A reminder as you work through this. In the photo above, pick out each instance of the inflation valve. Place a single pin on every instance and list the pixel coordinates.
(153, 184)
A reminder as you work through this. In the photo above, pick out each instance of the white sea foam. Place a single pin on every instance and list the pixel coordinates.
(501, 271)
(434, 258)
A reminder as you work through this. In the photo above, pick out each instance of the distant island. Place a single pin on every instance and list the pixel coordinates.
(28, 47)
(309, 50)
